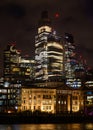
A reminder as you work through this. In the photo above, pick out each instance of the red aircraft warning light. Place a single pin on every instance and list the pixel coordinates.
(56, 15)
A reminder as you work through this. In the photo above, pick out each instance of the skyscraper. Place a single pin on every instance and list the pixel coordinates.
(11, 62)
(70, 62)
(48, 51)
(12, 84)
(69, 56)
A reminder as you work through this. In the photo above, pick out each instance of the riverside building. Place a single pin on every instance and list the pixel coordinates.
(57, 76)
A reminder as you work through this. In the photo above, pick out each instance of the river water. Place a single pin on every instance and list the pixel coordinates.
(72, 126)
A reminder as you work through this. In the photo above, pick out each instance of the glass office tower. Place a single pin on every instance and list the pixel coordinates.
(48, 51)
(71, 63)
(69, 56)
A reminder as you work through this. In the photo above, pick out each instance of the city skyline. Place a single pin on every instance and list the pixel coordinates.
(19, 21)
(54, 82)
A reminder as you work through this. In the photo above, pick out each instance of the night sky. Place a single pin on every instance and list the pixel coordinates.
(19, 19)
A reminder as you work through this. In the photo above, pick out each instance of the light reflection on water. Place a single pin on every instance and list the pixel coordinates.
(72, 126)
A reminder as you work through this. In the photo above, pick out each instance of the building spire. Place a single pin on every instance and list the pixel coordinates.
(44, 19)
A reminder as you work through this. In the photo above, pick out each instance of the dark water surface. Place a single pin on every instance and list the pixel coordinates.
(72, 126)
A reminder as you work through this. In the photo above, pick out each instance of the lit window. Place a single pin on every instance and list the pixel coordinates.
(46, 107)
(43, 107)
(64, 102)
(58, 102)
(29, 96)
(49, 107)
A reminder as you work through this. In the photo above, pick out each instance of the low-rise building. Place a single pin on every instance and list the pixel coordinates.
(42, 99)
